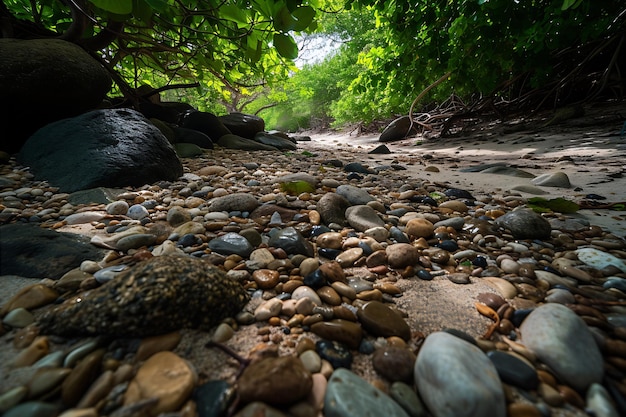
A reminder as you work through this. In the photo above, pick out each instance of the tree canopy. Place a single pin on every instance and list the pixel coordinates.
(241, 52)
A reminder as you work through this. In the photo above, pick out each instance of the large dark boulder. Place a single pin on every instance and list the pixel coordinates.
(29, 251)
(398, 129)
(244, 125)
(44, 80)
(205, 122)
(102, 148)
(275, 141)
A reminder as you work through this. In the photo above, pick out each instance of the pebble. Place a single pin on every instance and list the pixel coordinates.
(311, 361)
(348, 395)
(362, 218)
(599, 259)
(231, 244)
(394, 363)
(355, 195)
(525, 224)
(380, 320)
(137, 212)
(455, 378)
(599, 402)
(262, 380)
(562, 341)
(119, 207)
(18, 318)
(513, 370)
(166, 377)
(343, 331)
(407, 398)
(401, 255)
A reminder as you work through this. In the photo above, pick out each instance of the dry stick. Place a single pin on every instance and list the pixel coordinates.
(421, 95)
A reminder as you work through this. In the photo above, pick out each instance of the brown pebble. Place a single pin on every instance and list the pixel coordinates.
(305, 344)
(98, 390)
(394, 363)
(25, 336)
(81, 377)
(35, 351)
(546, 377)
(571, 396)
(523, 410)
(151, 345)
(266, 279)
(333, 272)
(492, 300)
(329, 296)
(30, 297)
(550, 395)
(343, 331)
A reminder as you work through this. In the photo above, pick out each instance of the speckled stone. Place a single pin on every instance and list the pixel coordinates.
(525, 224)
(156, 296)
(363, 218)
(394, 363)
(263, 380)
(401, 255)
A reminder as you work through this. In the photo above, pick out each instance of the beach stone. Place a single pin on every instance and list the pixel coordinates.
(244, 125)
(455, 379)
(156, 296)
(562, 340)
(525, 224)
(29, 298)
(81, 377)
(339, 330)
(117, 207)
(419, 227)
(30, 251)
(262, 380)
(33, 409)
(212, 398)
(177, 215)
(332, 240)
(108, 148)
(348, 257)
(151, 345)
(552, 179)
(266, 279)
(18, 318)
(394, 363)
(333, 272)
(258, 408)
(334, 353)
(231, 141)
(275, 141)
(514, 371)
(454, 205)
(379, 234)
(187, 150)
(291, 241)
(397, 129)
(231, 243)
(354, 195)
(205, 122)
(135, 241)
(270, 308)
(362, 218)
(84, 217)
(380, 320)
(165, 376)
(81, 83)
(299, 176)
(192, 137)
(332, 208)
(401, 255)
(404, 395)
(308, 293)
(348, 395)
(599, 259)
(234, 202)
(311, 361)
(599, 402)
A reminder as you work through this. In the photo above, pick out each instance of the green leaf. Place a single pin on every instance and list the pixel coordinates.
(283, 20)
(286, 46)
(234, 13)
(561, 205)
(158, 5)
(296, 187)
(114, 6)
(305, 16)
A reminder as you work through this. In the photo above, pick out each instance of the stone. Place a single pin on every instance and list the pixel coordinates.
(455, 379)
(193, 137)
(525, 224)
(552, 179)
(231, 243)
(153, 297)
(348, 395)
(394, 363)
(262, 380)
(212, 398)
(363, 217)
(80, 84)
(28, 250)
(343, 331)
(266, 279)
(205, 122)
(29, 298)
(354, 195)
(117, 207)
(234, 202)
(380, 320)
(33, 409)
(178, 215)
(404, 395)
(399, 128)
(311, 361)
(151, 345)
(514, 371)
(187, 150)
(599, 401)
(18, 318)
(109, 148)
(562, 340)
(332, 208)
(258, 408)
(81, 377)
(401, 255)
(599, 259)
(244, 125)
(268, 309)
(304, 292)
(230, 141)
(275, 141)
(419, 227)
(291, 241)
(164, 376)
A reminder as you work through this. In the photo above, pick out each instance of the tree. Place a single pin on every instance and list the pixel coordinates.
(225, 45)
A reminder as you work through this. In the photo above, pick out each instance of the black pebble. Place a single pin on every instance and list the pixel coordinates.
(337, 354)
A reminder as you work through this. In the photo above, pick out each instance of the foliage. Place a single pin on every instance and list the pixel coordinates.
(229, 46)
(561, 205)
